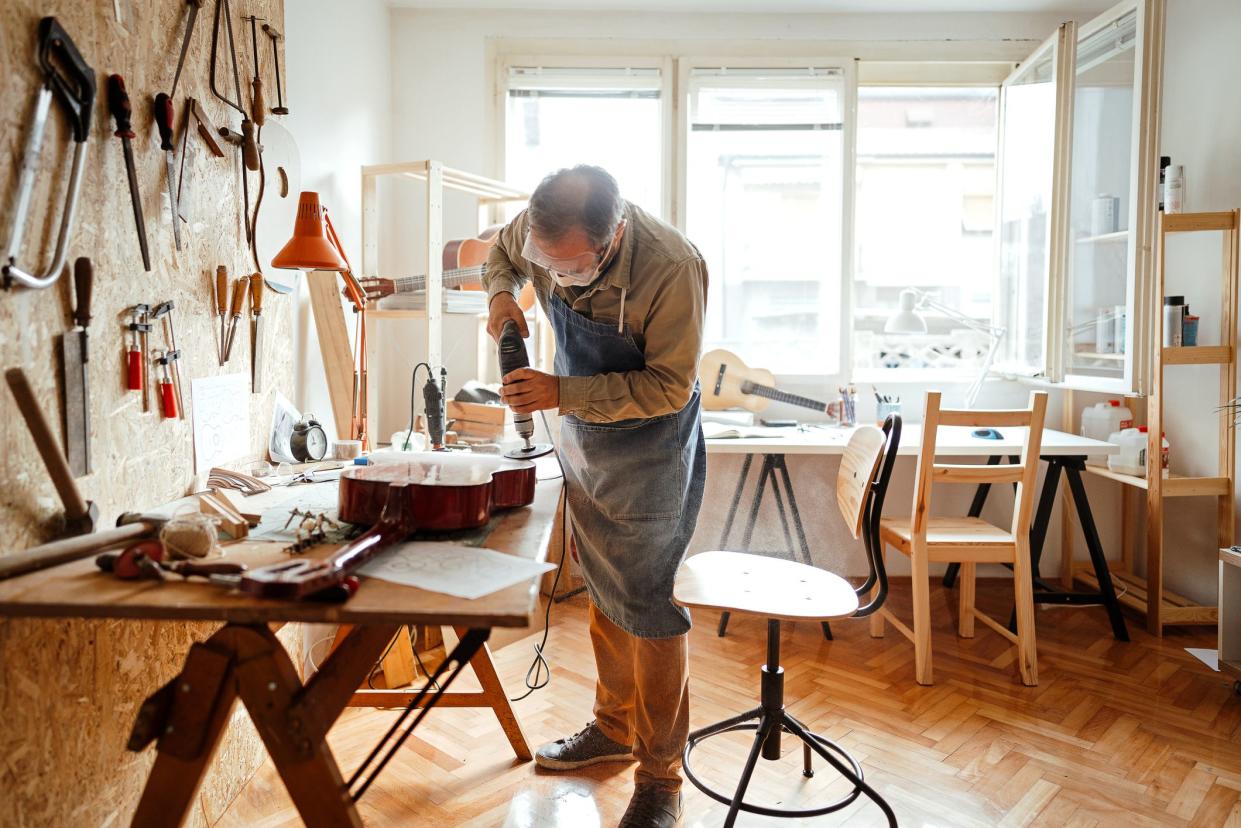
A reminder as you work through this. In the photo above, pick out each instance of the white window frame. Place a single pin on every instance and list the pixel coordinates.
(848, 67)
(566, 61)
(962, 63)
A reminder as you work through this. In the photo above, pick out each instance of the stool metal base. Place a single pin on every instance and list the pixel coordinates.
(769, 721)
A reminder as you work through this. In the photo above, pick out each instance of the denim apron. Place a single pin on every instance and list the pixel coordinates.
(634, 486)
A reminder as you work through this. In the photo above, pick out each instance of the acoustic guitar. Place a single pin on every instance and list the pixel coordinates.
(464, 262)
(727, 382)
(424, 492)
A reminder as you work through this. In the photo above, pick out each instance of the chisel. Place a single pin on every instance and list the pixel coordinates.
(256, 333)
(221, 303)
(163, 120)
(76, 373)
(119, 106)
(239, 298)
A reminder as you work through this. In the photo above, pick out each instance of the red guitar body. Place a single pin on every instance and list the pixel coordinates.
(428, 492)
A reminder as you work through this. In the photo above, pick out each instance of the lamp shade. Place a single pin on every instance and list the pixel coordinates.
(309, 249)
(906, 320)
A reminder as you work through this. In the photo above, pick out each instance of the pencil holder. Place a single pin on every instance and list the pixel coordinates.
(883, 409)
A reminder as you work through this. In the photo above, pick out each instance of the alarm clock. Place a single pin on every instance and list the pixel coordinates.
(308, 441)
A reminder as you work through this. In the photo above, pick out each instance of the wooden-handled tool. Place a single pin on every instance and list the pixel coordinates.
(275, 36)
(256, 333)
(164, 121)
(122, 111)
(221, 303)
(258, 105)
(76, 372)
(239, 298)
(130, 527)
(80, 515)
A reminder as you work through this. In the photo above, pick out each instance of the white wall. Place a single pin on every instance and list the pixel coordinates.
(339, 94)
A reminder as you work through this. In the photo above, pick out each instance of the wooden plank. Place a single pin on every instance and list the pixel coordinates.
(976, 474)
(1136, 596)
(984, 419)
(1108, 474)
(1175, 486)
(1190, 615)
(334, 347)
(1198, 355)
(1199, 222)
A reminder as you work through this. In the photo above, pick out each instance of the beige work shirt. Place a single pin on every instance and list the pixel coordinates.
(658, 281)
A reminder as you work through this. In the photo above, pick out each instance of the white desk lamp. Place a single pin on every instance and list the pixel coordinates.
(908, 320)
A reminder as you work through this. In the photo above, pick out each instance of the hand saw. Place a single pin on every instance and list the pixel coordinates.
(75, 380)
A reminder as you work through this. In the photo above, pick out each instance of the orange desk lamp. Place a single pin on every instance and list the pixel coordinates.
(315, 246)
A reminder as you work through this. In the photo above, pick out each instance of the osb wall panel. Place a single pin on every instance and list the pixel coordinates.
(69, 689)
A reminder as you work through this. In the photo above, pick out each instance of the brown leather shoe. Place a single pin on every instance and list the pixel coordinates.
(586, 747)
(652, 807)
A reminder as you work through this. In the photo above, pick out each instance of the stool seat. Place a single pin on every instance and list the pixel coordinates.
(769, 587)
(946, 531)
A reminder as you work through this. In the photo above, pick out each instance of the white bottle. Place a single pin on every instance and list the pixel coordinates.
(1102, 421)
(1174, 189)
(1173, 321)
(1131, 459)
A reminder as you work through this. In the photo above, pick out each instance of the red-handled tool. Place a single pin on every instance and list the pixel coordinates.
(135, 357)
(167, 391)
(122, 112)
(164, 121)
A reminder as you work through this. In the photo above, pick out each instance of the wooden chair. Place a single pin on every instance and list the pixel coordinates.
(969, 541)
(785, 590)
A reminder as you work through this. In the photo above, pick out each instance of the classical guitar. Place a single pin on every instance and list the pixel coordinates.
(464, 261)
(427, 492)
(727, 382)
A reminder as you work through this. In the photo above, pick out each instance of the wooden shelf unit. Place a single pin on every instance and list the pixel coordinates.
(1161, 606)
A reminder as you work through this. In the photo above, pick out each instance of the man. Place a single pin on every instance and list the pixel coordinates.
(626, 296)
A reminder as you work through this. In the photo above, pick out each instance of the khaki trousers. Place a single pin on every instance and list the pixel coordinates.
(642, 697)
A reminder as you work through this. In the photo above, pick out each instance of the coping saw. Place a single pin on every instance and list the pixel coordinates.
(73, 83)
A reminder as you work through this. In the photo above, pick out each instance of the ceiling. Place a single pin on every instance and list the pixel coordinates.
(1072, 7)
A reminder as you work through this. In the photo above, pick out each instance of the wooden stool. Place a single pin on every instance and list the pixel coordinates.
(785, 590)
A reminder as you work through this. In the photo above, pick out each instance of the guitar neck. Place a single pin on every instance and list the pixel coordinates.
(776, 394)
(451, 278)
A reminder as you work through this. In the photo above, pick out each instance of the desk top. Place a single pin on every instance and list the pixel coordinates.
(952, 441)
(79, 590)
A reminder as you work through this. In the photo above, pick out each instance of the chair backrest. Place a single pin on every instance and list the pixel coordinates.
(871, 509)
(857, 472)
(1022, 474)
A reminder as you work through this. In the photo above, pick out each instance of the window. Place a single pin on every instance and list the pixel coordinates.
(923, 218)
(612, 117)
(764, 192)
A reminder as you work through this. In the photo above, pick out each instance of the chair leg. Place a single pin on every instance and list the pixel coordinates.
(876, 618)
(1023, 599)
(799, 730)
(966, 622)
(922, 612)
(760, 736)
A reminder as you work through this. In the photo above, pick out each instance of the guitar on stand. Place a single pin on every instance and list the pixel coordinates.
(464, 262)
(727, 382)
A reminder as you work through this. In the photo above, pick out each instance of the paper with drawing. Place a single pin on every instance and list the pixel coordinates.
(221, 411)
(463, 571)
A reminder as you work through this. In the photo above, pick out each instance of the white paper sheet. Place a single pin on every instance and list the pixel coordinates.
(221, 413)
(462, 571)
(1208, 657)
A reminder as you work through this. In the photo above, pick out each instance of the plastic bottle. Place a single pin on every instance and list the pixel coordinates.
(1131, 459)
(1174, 189)
(1173, 320)
(1102, 421)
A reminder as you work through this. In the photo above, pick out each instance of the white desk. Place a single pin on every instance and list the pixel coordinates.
(1063, 452)
(952, 441)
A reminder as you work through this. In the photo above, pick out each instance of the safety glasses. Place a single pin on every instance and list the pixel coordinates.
(583, 266)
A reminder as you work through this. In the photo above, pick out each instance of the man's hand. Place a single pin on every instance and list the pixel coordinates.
(526, 390)
(504, 307)
(376, 288)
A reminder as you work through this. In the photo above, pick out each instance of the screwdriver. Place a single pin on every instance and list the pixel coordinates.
(240, 288)
(163, 120)
(221, 303)
(122, 111)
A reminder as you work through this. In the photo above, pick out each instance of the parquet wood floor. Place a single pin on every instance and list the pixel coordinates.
(1137, 734)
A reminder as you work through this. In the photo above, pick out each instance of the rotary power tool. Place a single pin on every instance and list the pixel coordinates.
(512, 352)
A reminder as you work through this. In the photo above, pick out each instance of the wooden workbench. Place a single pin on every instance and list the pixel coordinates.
(244, 660)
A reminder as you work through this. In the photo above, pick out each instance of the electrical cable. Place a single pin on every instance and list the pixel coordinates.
(413, 402)
(539, 675)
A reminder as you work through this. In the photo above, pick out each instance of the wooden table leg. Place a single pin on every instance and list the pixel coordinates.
(249, 662)
(495, 698)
